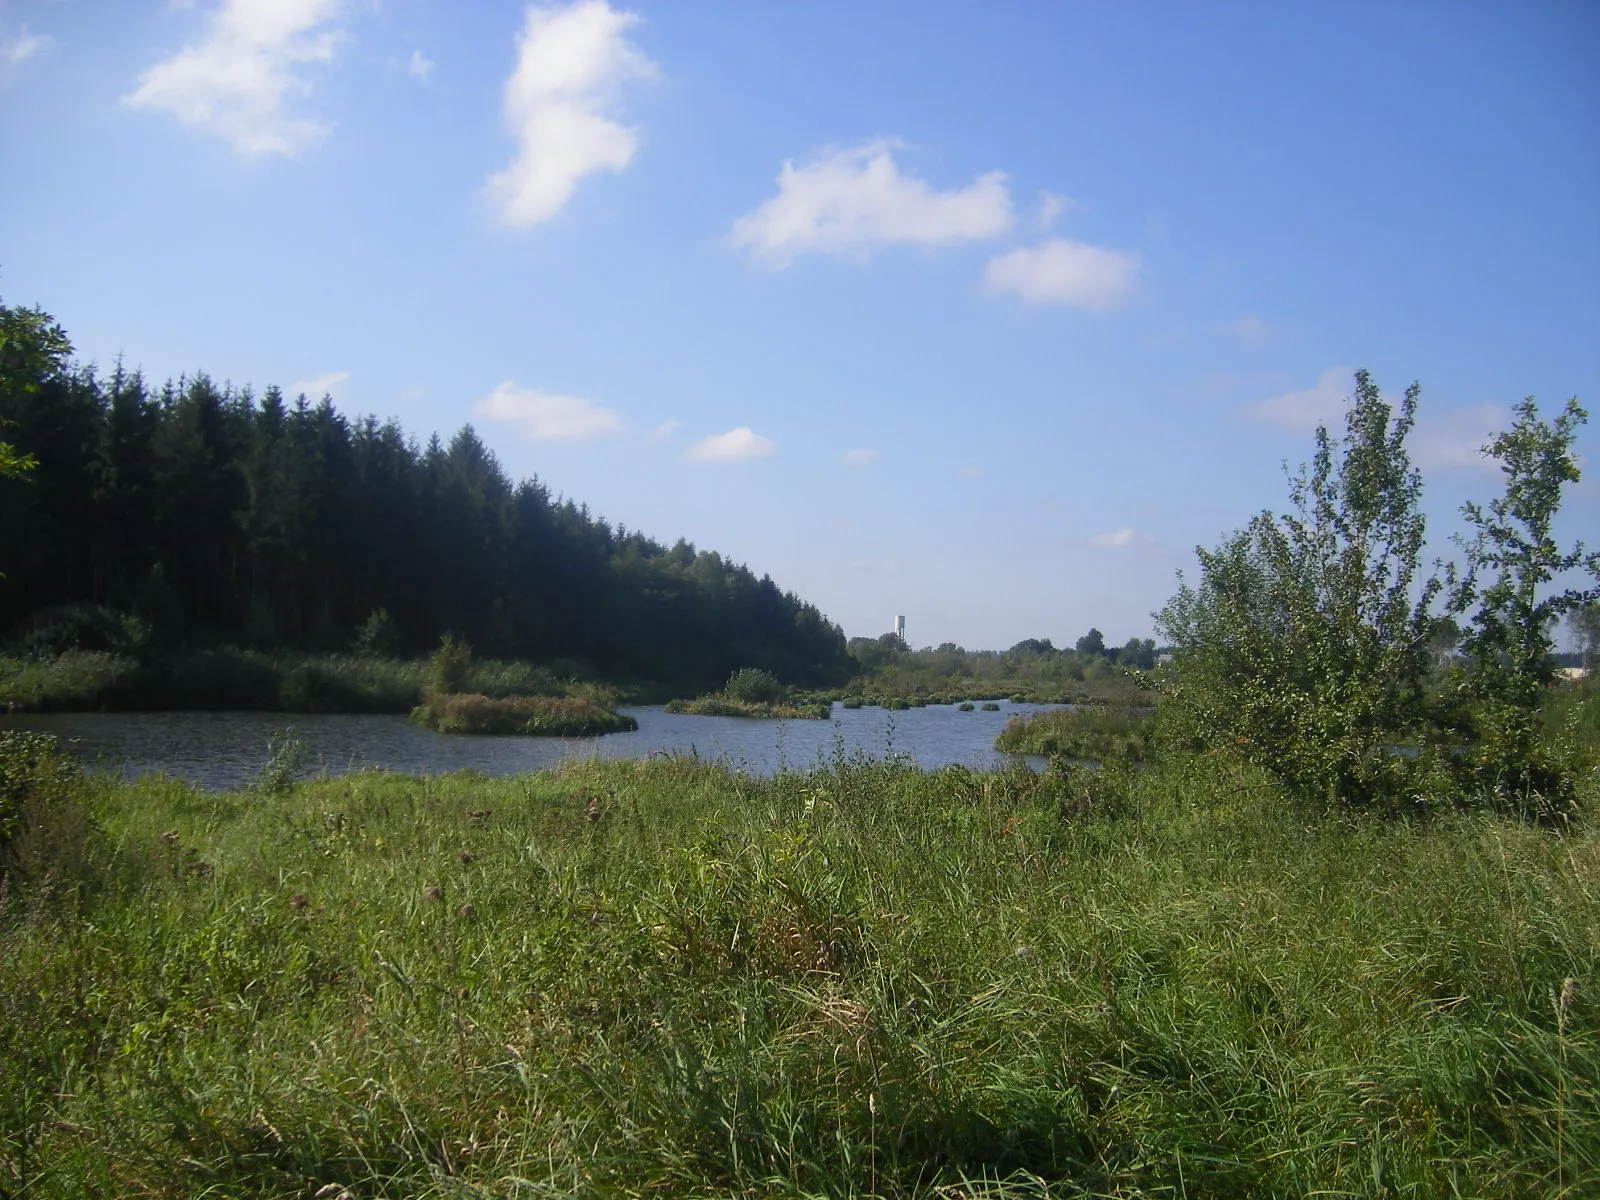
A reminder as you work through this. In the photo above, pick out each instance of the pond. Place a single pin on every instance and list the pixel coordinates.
(223, 751)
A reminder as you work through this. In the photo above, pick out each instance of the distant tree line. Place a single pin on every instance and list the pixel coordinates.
(216, 515)
(887, 661)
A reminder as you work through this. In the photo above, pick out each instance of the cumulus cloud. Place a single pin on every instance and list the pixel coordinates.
(330, 383)
(420, 65)
(858, 458)
(737, 445)
(559, 101)
(234, 82)
(1116, 539)
(1059, 271)
(542, 416)
(848, 201)
(1300, 412)
(18, 47)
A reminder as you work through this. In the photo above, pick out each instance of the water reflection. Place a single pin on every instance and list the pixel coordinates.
(221, 751)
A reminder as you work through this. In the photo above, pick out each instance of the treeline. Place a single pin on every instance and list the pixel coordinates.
(212, 515)
(1034, 668)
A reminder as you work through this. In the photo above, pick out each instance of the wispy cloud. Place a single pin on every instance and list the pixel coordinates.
(1247, 329)
(420, 65)
(871, 565)
(542, 416)
(234, 82)
(329, 383)
(1051, 206)
(858, 458)
(1323, 403)
(1118, 539)
(852, 200)
(571, 65)
(22, 45)
(1456, 438)
(1059, 271)
(664, 430)
(970, 472)
(737, 445)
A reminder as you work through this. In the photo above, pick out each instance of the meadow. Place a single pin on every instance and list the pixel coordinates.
(662, 978)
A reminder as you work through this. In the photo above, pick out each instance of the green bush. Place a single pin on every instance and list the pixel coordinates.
(1304, 646)
(752, 685)
(448, 666)
(378, 636)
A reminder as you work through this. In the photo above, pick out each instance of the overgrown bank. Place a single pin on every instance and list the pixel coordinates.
(248, 680)
(663, 978)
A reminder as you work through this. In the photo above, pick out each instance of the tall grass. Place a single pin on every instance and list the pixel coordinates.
(660, 978)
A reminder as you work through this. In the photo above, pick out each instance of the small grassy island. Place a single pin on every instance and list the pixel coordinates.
(1096, 732)
(539, 716)
(448, 709)
(753, 693)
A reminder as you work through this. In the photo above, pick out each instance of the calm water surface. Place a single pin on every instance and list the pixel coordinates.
(221, 751)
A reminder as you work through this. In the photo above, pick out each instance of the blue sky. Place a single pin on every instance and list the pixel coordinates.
(984, 314)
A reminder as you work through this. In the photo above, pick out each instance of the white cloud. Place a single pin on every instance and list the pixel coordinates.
(1116, 539)
(1246, 329)
(420, 65)
(1300, 412)
(737, 445)
(848, 201)
(329, 383)
(234, 82)
(1062, 272)
(541, 416)
(858, 458)
(571, 63)
(1456, 438)
(664, 430)
(22, 46)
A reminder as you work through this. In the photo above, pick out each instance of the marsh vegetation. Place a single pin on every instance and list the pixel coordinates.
(865, 980)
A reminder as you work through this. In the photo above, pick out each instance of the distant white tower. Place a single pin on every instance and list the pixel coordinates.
(900, 626)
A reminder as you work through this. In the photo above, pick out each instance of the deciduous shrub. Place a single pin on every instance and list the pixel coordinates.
(1304, 646)
(448, 666)
(754, 686)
